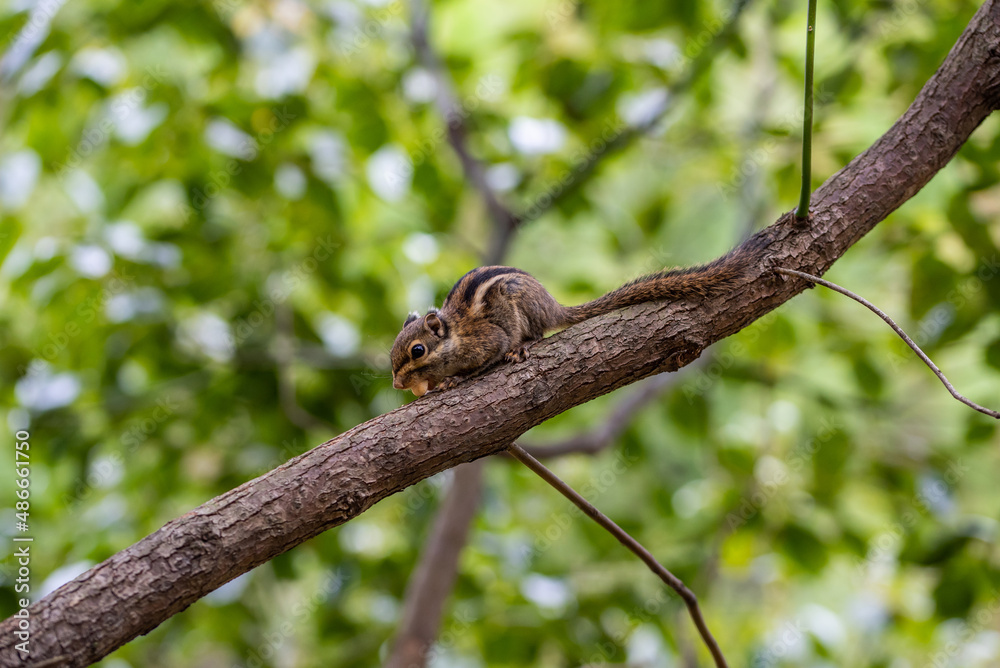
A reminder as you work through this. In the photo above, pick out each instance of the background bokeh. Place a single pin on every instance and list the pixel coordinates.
(214, 217)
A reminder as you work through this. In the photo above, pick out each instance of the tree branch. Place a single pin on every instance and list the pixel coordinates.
(450, 110)
(135, 590)
(585, 170)
(437, 567)
(899, 331)
(593, 441)
(671, 580)
(434, 577)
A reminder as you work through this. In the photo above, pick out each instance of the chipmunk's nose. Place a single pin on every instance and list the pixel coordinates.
(396, 384)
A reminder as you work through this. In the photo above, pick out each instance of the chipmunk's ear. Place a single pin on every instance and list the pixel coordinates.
(435, 325)
(411, 317)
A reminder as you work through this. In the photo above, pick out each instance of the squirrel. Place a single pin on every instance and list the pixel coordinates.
(495, 313)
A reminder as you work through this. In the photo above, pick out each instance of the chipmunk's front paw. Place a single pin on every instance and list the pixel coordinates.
(518, 355)
(448, 383)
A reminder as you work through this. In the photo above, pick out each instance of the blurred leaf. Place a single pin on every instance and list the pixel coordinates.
(868, 376)
(992, 354)
(802, 546)
(955, 591)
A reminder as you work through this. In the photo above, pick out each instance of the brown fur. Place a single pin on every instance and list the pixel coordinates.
(495, 313)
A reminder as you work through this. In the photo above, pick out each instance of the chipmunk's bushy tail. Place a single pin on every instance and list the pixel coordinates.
(691, 282)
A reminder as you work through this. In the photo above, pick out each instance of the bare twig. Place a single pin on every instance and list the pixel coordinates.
(672, 581)
(896, 328)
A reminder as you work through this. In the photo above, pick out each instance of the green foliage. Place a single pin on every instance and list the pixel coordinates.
(187, 188)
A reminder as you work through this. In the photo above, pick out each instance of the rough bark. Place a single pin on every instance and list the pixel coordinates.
(135, 590)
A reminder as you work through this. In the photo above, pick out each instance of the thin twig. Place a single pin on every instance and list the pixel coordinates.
(672, 581)
(807, 115)
(896, 328)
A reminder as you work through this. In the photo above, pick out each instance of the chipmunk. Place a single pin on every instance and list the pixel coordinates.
(495, 313)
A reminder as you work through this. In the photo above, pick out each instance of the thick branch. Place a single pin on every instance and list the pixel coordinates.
(135, 590)
(437, 567)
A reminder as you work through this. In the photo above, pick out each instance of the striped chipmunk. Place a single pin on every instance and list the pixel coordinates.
(493, 314)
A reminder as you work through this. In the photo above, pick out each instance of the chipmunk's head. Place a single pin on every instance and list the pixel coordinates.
(418, 364)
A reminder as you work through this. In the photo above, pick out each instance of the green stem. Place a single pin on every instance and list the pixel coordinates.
(807, 116)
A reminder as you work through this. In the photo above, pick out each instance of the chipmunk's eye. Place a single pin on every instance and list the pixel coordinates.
(417, 351)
